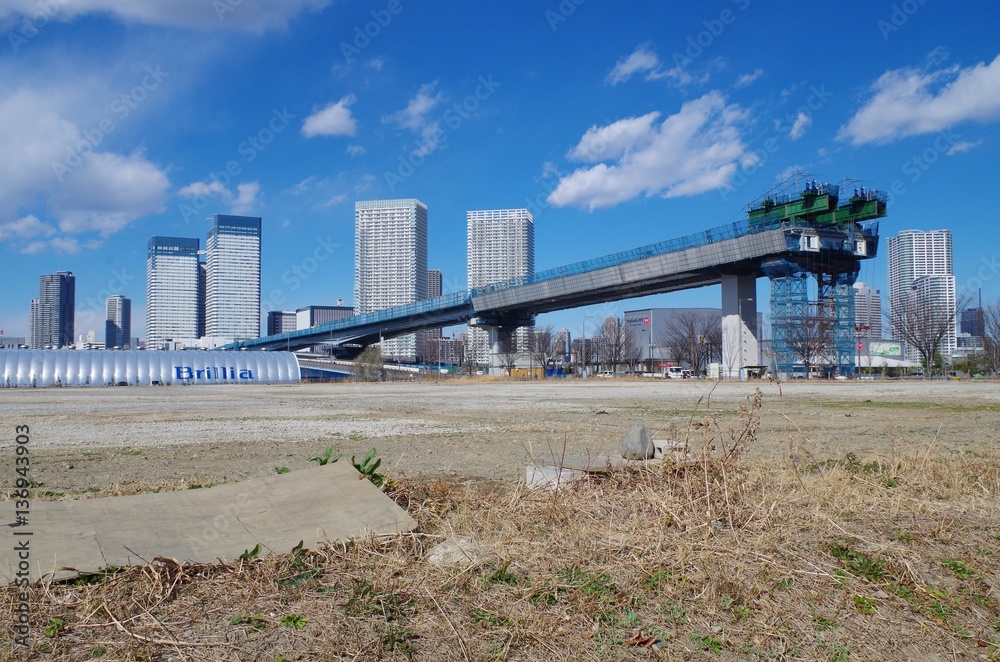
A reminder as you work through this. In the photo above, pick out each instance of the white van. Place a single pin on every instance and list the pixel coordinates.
(675, 372)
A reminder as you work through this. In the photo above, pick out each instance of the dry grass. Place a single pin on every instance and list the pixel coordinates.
(718, 558)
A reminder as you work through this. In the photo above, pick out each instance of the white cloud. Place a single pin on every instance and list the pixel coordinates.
(205, 189)
(376, 63)
(51, 170)
(57, 245)
(641, 61)
(242, 202)
(647, 63)
(334, 119)
(27, 227)
(366, 183)
(356, 150)
(963, 146)
(249, 15)
(414, 116)
(909, 102)
(613, 140)
(746, 79)
(303, 186)
(335, 200)
(790, 172)
(802, 122)
(695, 150)
(246, 198)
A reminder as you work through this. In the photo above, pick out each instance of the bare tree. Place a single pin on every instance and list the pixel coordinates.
(991, 337)
(731, 359)
(468, 356)
(508, 353)
(586, 351)
(632, 353)
(924, 323)
(671, 344)
(691, 337)
(615, 342)
(711, 331)
(811, 341)
(559, 347)
(541, 346)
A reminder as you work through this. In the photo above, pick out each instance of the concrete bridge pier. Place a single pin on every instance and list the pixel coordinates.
(501, 338)
(740, 347)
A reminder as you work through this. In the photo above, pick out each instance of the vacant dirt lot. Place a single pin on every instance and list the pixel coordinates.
(120, 440)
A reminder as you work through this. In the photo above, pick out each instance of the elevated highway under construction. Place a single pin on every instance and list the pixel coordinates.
(812, 230)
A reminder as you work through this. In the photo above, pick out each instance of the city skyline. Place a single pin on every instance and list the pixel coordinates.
(120, 125)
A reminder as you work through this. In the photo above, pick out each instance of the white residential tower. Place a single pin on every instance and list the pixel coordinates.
(390, 261)
(501, 246)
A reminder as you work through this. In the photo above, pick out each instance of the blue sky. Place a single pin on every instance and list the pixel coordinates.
(616, 126)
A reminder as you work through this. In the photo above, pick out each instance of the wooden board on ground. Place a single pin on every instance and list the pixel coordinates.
(315, 505)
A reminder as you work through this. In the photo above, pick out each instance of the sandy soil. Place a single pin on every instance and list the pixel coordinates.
(90, 438)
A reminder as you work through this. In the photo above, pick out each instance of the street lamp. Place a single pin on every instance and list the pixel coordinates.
(739, 308)
(858, 328)
(583, 344)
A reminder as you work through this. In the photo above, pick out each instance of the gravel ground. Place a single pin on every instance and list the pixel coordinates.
(91, 438)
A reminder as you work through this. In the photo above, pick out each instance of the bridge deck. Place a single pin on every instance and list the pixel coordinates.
(691, 261)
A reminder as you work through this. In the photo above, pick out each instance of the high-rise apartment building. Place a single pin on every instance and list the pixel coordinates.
(173, 307)
(972, 321)
(501, 246)
(118, 323)
(34, 326)
(390, 261)
(868, 311)
(434, 283)
(232, 277)
(53, 312)
(280, 321)
(916, 255)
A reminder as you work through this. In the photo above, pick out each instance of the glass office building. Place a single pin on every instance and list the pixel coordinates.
(232, 277)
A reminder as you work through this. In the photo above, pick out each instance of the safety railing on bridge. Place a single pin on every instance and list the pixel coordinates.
(710, 236)
(422, 307)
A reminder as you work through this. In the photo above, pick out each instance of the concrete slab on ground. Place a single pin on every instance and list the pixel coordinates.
(590, 463)
(315, 505)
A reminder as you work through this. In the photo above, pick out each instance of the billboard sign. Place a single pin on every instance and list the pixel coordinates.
(886, 348)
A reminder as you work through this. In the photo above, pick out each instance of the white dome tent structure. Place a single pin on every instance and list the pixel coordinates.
(56, 367)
